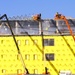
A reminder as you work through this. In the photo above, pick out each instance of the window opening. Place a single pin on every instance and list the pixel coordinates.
(48, 42)
(35, 71)
(27, 57)
(19, 71)
(1, 41)
(35, 57)
(49, 56)
(26, 42)
(18, 41)
(3, 70)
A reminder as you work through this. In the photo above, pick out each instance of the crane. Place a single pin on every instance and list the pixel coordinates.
(27, 72)
(62, 17)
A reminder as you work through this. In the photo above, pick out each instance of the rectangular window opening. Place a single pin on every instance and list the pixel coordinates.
(35, 71)
(1, 41)
(49, 56)
(19, 42)
(18, 57)
(3, 71)
(26, 42)
(48, 42)
(2, 56)
(19, 71)
(51, 42)
(35, 57)
(27, 57)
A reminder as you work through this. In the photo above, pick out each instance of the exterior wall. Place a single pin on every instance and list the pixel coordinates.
(10, 63)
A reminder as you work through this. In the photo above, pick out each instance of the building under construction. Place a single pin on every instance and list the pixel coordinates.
(37, 46)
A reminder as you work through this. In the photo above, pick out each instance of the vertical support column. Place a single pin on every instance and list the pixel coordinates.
(40, 25)
(42, 38)
(16, 27)
(57, 24)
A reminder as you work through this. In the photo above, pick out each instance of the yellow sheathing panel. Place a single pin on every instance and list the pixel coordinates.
(32, 54)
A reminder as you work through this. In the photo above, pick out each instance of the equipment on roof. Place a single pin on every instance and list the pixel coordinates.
(61, 17)
(37, 17)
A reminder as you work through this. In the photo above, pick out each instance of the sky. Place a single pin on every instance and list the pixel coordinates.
(47, 8)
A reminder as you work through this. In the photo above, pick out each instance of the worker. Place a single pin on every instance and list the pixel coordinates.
(46, 71)
(26, 72)
(37, 17)
(58, 15)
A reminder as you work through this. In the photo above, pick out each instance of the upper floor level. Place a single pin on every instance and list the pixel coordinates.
(48, 26)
